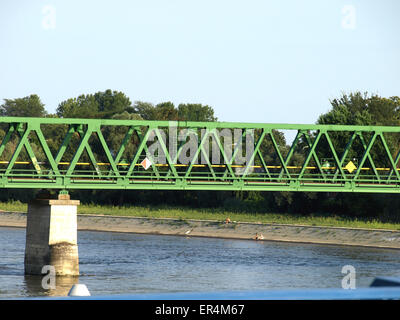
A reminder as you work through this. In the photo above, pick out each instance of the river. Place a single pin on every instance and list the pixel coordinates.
(126, 263)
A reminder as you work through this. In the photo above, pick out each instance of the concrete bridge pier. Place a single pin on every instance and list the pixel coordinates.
(51, 236)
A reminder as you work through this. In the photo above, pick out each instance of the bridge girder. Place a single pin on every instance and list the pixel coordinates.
(109, 154)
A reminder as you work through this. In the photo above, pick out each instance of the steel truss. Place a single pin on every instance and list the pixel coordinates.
(361, 161)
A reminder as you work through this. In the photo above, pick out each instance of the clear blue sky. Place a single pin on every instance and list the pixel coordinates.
(253, 61)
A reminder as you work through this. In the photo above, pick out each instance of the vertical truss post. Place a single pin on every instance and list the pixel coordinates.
(139, 151)
(314, 154)
(10, 131)
(279, 154)
(23, 142)
(89, 130)
(82, 145)
(337, 161)
(221, 149)
(344, 155)
(290, 153)
(146, 149)
(369, 156)
(257, 147)
(365, 156)
(310, 154)
(392, 163)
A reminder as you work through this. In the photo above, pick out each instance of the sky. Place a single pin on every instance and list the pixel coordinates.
(252, 61)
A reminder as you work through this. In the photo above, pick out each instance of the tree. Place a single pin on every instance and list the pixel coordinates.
(364, 109)
(166, 111)
(146, 110)
(361, 109)
(195, 112)
(101, 105)
(111, 103)
(161, 111)
(29, 106)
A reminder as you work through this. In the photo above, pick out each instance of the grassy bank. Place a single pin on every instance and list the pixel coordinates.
(220, 214)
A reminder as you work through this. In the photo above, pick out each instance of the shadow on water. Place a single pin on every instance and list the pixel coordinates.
(36, 285)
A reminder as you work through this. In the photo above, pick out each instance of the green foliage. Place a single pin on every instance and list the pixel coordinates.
(161, 111)
(101, 105)
(185, 214)
(111, 103)
(362, 109)
(195, 112)
(29, 106)
(168, 111)
(145, 109)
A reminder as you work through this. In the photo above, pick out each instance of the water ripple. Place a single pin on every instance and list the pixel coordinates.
(112, 263)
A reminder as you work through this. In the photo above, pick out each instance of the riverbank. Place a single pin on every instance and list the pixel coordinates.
(233, 229)
(220, 214)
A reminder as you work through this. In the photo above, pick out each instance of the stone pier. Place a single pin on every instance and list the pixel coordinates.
(51, 236)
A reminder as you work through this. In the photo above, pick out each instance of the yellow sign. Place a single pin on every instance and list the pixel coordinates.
(350, 167)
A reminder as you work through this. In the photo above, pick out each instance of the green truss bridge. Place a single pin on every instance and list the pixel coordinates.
(54, 153)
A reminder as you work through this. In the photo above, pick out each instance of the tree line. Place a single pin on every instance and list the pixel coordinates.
(355, 108)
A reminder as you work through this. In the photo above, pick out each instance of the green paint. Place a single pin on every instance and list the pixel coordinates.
(17, 173)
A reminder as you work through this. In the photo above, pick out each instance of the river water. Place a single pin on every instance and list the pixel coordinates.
(123, 263)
